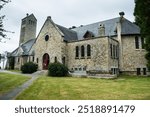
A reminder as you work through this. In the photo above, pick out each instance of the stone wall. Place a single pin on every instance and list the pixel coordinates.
(55, 46)
(113, 61)
(132, 58)
(28, 29)
(99, 55)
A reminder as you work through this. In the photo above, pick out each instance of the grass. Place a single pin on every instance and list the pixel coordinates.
(10, 81)
(18, 71)
(124, 88)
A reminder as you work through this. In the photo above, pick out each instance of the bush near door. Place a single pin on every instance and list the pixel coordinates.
(29, 67)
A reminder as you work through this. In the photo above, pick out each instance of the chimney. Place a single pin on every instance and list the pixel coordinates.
(121, 15)
(27, 14)
(48, 17)
(102, 30)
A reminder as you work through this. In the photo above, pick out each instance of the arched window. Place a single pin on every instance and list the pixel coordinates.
(88, 51)
(77, 51)
(82, 51)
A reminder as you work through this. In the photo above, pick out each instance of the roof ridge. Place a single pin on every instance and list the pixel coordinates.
(66, 28)
(96, 22)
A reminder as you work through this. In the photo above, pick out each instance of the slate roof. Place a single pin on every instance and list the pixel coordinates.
(14, 53)
(128, 28)
(110, 28)
(68, 34)
(25, 47)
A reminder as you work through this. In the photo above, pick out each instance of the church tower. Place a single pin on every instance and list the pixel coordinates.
(28, 28)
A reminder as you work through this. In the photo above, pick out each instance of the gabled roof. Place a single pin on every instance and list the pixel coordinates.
(89, 34)
(55, 26)
(69, 35)
(129, 28)
(110, 28)
(25, 47)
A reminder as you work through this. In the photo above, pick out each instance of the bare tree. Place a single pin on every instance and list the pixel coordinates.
(2, 30)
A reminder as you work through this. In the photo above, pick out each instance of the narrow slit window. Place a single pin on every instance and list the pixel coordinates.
(136, 42)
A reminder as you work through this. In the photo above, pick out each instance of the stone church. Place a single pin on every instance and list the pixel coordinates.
(107, 47)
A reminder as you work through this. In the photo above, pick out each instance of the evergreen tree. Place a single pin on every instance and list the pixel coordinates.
(142, 17)
(2, 30)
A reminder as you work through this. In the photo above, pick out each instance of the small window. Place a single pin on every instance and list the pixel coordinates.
(80, 69)
(144, 71)
(76, 69)
(114, 51)
(82, 51)
(88, 51)
(114, 71)
(55, 60)
(88, 35)
(84, 68)
(46, 37)
(33, 58)
(136, 42)
(37, 60)
(111, 50)
(64, 60)
(138, 71)
(77, 51)
(23, 22)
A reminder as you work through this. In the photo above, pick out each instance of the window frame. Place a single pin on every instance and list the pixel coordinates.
(82, 52)
(88, 51)
(77, 52)
(137, 45)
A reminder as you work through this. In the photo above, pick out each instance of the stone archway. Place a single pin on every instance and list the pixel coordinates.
(46, 60)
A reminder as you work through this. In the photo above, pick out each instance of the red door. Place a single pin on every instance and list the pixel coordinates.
(45, 61)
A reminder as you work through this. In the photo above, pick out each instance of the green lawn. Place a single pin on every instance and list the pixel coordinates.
(10, 81)
(18, 71)
(47, 88)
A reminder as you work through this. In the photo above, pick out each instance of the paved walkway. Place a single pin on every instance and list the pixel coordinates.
(12, 94)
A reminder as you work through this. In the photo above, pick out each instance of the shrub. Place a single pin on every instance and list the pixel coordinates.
(29, 67)
(57, 69)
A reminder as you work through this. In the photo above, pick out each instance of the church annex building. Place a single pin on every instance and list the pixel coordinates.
(107, 47)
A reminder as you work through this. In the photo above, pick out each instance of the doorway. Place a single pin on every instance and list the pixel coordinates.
(45, 61)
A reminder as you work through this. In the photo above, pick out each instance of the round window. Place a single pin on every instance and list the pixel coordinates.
(46, 37)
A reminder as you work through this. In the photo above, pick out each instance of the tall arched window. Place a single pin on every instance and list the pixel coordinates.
(77, 51)
(82, 51)
(88, 51)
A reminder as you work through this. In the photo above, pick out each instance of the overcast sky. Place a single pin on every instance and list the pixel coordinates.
(63, 12)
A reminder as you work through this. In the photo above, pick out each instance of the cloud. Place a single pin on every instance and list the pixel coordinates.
(63, 12)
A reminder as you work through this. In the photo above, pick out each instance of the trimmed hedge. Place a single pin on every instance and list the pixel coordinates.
(29, 67)
(57, 69)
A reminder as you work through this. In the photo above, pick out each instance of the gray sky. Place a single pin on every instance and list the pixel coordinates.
(63, 12)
